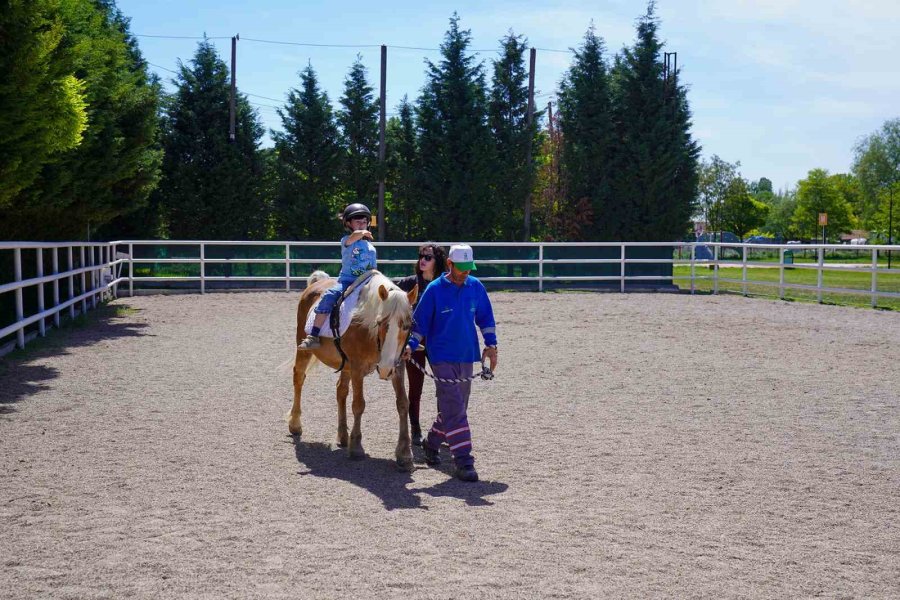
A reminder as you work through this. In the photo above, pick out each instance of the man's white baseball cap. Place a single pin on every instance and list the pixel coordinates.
(463, 257)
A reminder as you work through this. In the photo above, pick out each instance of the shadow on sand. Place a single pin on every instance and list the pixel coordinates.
(20, 378)
(382, 478)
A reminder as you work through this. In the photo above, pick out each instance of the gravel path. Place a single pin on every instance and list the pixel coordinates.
(632, 445)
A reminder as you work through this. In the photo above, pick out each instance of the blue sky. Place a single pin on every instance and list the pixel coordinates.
(783, 86)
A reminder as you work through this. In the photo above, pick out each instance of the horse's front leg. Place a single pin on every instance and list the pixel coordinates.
(301, 363)
(355, 449)
(404, 447)
(343, 388)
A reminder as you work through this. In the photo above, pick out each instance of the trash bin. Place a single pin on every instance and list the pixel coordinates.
(788, 257)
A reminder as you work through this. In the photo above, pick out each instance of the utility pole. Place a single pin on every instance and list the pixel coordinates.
(529, 119)
(382, 224)
(231, 109)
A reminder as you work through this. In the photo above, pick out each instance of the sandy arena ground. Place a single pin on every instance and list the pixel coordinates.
(631, 446)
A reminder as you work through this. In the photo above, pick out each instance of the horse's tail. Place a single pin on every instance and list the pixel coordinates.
(317, 276)
(286, 368)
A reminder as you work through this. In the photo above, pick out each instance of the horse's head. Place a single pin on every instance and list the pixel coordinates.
(394, 322)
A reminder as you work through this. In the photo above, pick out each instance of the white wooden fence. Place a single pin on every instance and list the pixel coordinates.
(94, 271)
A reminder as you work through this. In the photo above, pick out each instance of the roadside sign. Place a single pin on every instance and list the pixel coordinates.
(823, 219)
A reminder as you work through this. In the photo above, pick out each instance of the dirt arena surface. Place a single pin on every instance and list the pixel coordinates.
(632, 445)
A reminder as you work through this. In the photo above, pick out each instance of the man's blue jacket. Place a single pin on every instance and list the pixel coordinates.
(446, 317)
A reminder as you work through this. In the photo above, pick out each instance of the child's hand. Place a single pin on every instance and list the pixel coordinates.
(367, 234)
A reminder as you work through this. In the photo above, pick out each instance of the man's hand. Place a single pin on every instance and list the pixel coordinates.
(407, 353)
(491, 355)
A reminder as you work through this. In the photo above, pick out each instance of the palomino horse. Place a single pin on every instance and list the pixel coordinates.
(375, 339)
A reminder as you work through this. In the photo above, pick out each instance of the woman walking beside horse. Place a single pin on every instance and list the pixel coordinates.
(431, 264)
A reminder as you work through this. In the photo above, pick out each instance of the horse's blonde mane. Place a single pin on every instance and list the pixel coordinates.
(370, 309)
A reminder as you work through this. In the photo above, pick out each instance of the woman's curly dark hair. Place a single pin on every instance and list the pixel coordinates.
(440, 259)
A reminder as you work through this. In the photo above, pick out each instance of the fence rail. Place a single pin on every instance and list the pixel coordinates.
(94, 271)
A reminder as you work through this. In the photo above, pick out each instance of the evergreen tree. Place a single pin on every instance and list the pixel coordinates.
(455, 144)
(42, 102)
(589, 145)
(309, 161)
(514, 170)
(655, 178)
(116, 165)
(402, 210)
(210, 187)
(358, 120)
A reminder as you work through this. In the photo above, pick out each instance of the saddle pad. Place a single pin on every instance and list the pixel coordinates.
(346, 310)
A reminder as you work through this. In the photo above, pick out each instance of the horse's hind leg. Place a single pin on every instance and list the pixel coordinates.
(355, 449)
(343, 388)
(404, 448)
(301, 364)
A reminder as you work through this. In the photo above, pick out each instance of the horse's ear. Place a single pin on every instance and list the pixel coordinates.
(382, 292)
(413, 294)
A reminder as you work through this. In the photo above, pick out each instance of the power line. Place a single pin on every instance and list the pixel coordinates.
(162, 67)
(184, 37)
(316, 45)
(311, 44)
(264, 97)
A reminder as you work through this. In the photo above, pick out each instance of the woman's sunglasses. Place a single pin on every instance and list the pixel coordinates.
(427, 257)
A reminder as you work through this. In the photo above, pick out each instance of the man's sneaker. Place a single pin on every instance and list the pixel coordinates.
(310, 342)
(466, 473)
(432, 457)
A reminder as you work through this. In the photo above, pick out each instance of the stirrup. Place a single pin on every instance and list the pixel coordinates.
(310, 342)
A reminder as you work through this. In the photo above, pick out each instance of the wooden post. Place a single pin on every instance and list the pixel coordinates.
(231, 106)
(382, 118)
(529, 118)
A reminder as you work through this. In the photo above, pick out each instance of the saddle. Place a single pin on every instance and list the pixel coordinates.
(341, 314)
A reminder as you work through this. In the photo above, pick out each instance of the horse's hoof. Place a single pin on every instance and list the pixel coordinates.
(356, 454)
(298, 431)
(407, 465)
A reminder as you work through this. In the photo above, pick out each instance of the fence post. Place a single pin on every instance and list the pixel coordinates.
(131, 270)
(20, 308)
(203, 268)
(83, 287)
(622, 269)
(781, 273)
(820, 269)
(71, 256)
(874, 278)
(287, 267)
(715, 269)
(540, 267)
(42, 327)
(693, 272)
(744, 270)
(56, 286)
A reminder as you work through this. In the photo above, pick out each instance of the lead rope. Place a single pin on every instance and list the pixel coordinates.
(485, 374)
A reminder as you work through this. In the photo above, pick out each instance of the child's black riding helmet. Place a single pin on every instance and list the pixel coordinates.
(356, 210)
